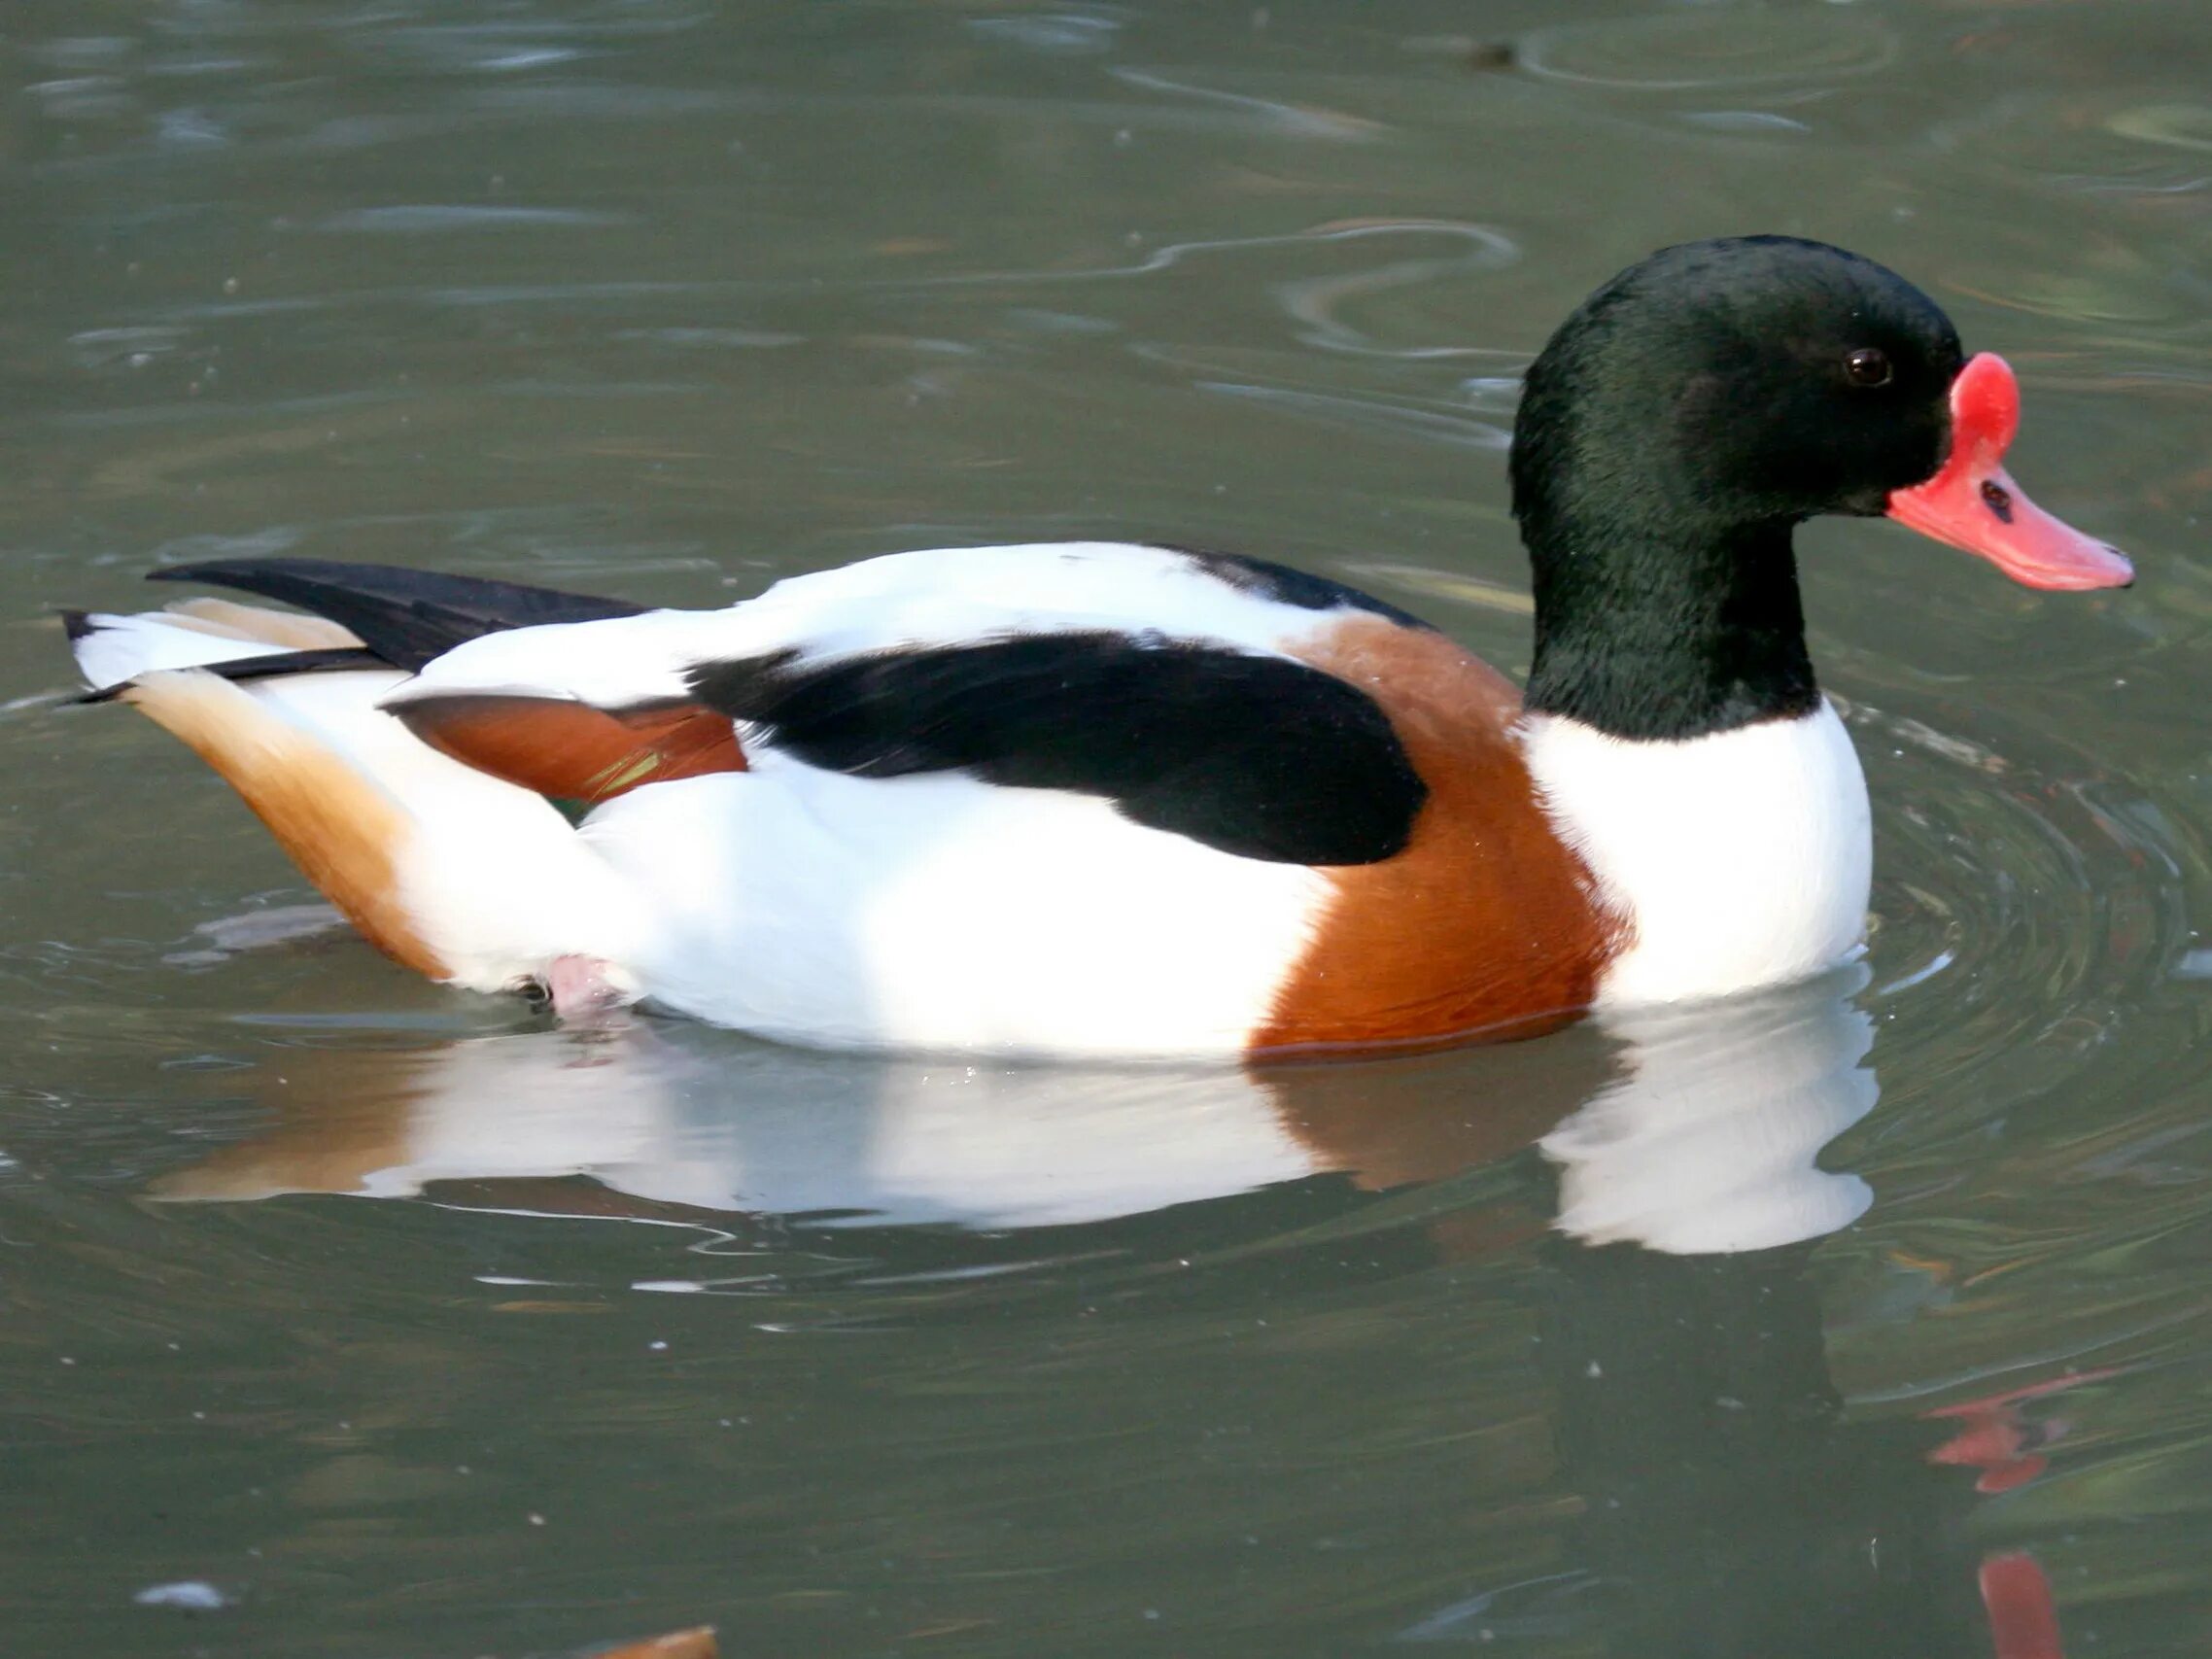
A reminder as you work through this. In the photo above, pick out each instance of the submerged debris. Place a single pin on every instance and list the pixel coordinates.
(198, 1596)
(697, 1642)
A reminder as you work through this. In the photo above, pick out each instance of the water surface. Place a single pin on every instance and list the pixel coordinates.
(410, 1325)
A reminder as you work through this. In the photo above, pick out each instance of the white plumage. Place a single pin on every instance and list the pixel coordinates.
(933, 912)
(936, 912)
(949, 595)
(939, 912)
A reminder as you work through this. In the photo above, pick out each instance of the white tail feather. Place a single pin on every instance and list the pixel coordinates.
(112, 650)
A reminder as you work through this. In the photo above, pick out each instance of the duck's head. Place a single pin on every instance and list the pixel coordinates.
(1696, 407)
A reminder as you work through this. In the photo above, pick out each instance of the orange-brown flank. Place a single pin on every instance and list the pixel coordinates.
(343, 831)
(571, 751)
(1486, 921)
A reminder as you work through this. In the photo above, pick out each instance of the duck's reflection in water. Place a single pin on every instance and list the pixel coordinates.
(1729, 1506)
(1683, 1130)
(664, 1120)
(1706, 1143)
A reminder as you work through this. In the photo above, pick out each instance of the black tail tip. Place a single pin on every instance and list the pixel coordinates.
(77, 624)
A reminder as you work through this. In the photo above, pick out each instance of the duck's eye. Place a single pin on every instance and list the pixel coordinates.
(1869, 365)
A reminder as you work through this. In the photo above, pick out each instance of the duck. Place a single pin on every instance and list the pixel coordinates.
(1096, 799)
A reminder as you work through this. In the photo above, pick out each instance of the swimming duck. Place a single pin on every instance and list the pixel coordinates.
(1103, 799)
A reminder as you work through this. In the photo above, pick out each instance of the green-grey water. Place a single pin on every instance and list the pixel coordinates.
(409, 1326)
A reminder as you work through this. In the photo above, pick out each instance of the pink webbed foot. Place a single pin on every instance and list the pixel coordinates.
(586, 990)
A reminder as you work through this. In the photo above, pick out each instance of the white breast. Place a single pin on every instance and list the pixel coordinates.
(1740, 859)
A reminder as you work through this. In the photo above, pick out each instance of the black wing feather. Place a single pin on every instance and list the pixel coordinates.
(406, 617)
(1258, 756)
(1286, 584)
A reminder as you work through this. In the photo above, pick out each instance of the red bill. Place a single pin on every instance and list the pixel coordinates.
(1973, 502)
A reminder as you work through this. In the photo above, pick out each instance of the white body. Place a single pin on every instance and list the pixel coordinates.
(1740, 859)
(932, 913)
(936, 912)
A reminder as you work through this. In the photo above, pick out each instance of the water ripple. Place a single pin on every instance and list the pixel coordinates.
(1721, 46)
(432, 217)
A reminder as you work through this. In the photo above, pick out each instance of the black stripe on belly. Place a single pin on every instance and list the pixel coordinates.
(1258, 756)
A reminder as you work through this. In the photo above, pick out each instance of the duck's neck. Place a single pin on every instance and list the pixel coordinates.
(1676, 737)
(1666, 630)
